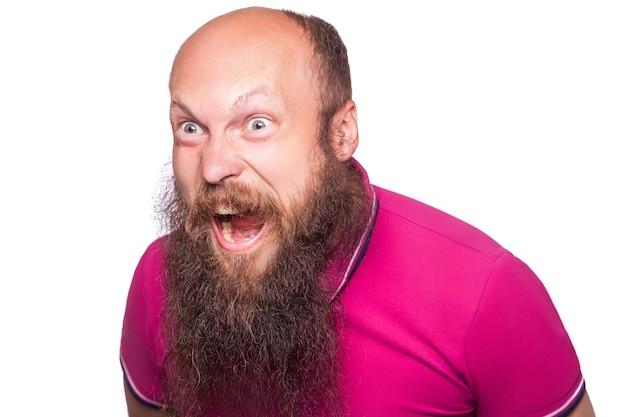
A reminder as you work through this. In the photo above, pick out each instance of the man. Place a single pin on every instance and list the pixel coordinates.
(287, 285)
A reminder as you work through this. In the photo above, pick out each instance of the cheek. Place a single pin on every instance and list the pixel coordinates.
(293, 176)
(187, 173)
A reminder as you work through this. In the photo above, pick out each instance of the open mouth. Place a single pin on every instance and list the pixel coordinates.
(236, 232)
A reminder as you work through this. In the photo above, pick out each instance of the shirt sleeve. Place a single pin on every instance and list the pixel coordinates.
(141, 352)
(520, 359)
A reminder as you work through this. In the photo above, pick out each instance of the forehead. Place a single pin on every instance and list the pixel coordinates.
(261, 45)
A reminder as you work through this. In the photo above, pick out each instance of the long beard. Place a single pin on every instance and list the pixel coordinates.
(245, 342)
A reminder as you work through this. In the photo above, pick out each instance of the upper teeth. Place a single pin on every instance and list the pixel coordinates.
(225, 211)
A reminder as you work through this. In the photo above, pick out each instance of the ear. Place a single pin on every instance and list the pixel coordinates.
(344, 131)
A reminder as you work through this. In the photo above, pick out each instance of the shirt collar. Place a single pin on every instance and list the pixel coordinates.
(343, 273)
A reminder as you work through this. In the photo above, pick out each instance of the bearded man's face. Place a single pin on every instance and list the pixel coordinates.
(245, 109)
(245, 336)
(258, 211)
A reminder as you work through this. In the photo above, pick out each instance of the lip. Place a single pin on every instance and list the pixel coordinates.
(239, 246)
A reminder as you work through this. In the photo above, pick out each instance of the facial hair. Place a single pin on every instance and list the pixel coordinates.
(241, 341)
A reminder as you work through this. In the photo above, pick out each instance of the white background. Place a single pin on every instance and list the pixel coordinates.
(509, 115)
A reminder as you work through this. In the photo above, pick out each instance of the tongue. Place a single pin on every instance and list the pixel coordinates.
(244, 227)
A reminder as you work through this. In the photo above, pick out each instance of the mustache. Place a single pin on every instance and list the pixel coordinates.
(229, 199)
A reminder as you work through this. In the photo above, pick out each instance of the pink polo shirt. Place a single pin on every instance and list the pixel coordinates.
(439, 321)
(442, 321)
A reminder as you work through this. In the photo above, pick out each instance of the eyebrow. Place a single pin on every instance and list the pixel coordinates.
(237, 105)
(178, 104)
(249, 96)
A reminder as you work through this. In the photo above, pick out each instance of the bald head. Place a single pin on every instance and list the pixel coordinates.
(252, 36)
(257, 32)
(253, 21)
(246, 24)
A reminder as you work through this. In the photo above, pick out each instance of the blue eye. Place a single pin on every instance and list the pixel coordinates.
(190, 128)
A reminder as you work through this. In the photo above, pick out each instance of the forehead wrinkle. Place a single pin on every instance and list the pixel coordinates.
(250, 96)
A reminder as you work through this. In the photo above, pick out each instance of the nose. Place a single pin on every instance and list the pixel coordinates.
(220, 161)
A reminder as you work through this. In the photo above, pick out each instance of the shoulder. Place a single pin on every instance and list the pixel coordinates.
(151, 258)
(147, 283)
(141, 349)
(149, 270)
(146, 291)
(424, 222)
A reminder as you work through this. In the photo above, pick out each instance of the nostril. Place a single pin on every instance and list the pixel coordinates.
(217, 173)
(220, 164)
